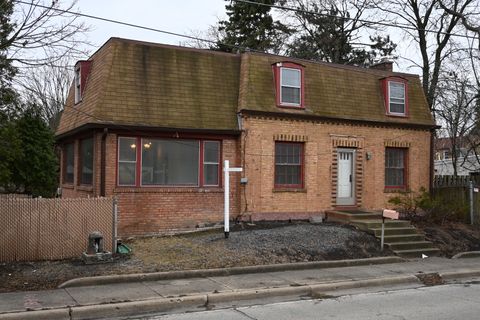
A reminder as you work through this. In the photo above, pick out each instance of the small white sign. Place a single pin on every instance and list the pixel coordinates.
(392, 214)
(234, 169)
(475, 189)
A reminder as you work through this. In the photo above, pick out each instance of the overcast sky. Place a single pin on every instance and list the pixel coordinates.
(175, 16)
(182, 17)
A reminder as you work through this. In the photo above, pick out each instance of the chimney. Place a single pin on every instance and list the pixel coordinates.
(385, 64)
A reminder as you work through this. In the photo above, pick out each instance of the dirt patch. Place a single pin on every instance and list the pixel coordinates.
(452, 238)
(262, 243)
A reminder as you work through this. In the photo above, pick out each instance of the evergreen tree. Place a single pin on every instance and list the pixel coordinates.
(328, 36)
(250, 26)
(34, 171)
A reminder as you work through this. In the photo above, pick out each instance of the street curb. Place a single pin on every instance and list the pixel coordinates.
(53, 314)
(463, 273)
(138, 277)
(200, 301)
(467, 254)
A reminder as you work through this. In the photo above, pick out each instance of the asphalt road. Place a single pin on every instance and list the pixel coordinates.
(455, 301)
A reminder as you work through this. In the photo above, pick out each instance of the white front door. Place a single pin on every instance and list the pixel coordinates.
(346, 175)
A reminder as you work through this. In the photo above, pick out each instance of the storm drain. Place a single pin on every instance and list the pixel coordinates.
(430, 279)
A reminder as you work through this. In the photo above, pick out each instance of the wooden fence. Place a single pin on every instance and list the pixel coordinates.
(456, 189)
(50, 229)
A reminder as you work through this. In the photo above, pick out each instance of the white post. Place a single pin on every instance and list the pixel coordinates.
(226, 181)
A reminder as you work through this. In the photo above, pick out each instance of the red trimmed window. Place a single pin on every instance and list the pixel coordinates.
(86, 161)
(68, 163)
(289, 79)
(396, 168)
(396, 96)
(168, 162)
(82, 69)
(288, 165)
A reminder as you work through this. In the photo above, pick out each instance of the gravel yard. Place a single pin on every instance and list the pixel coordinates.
(262, 243)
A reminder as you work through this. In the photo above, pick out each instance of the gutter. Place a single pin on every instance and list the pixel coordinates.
(143, 129)
(310, 117)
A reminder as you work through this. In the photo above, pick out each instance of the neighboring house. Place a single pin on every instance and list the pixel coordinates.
(152, 125)
(467, 160)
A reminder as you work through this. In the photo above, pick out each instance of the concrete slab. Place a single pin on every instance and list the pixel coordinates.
(34, 300)
(111, 293)
(253, 280)
(311, 276)
(170, 288)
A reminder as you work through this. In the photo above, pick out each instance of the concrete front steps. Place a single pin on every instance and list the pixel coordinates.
(400, 236)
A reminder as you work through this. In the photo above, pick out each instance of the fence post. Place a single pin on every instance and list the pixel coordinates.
(470, 187)
(114, 226)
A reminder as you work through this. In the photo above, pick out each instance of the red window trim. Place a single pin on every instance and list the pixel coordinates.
(405, 169)
(83, 68)
(277, 74)
(138, 169)
(386, 95)
(302, 168)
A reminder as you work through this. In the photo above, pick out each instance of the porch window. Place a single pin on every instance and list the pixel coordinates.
(127, 161)
(86, 161)
(68, 162)
(170, 162)
(288, 165)
(211, 163)
(395, 167)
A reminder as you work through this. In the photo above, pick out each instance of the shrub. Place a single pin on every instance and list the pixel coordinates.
(422, 205)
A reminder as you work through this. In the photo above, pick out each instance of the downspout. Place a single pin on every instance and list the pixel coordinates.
(103, 162)
(432, 165)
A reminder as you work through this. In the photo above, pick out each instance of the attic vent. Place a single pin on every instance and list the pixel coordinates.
(290, 137)
(397, 144)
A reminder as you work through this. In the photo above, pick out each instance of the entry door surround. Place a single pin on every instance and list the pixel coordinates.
(345, 177)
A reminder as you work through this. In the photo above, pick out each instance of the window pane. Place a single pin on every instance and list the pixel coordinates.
(291, 77)
(397, 90)
(395, 167)
(397, 107)
(69, 163)
(128, 149)
(288, 164)
(126, 173)
(211, 151)
(210, 172)
(290, 95)
(86, 158)
(170, 162)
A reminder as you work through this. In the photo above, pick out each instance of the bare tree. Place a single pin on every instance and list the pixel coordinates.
(47, 86)
(44, 32)
(457, 111)
(431, 28)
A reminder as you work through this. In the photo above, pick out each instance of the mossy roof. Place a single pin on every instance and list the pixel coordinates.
(133, 83)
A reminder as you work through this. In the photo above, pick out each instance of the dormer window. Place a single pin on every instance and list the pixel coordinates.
(396, 94)
(289, 81)
(396, 98)
(78, 84)
(82, 69)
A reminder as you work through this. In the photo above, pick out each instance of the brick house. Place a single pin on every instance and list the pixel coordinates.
(152, 124)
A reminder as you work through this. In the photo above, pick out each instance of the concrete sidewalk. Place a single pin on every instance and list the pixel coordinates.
(132, 298)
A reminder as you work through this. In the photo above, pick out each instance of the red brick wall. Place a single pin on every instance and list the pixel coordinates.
(157, 210)
(320, 143)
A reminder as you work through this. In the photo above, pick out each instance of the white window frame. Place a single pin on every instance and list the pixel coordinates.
(78, 84)
(404, 98)
(288, 86)
(126, 161)
(214, 163)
